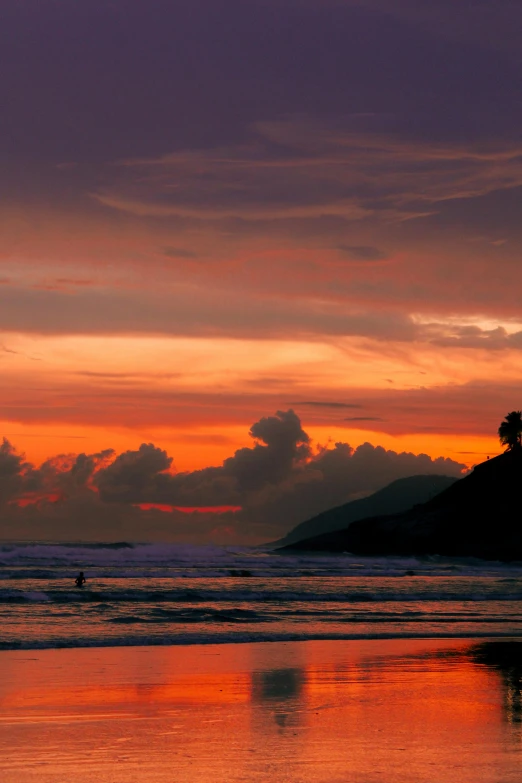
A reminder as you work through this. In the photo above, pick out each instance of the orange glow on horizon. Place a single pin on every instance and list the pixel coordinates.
(37, 498)
(45, 441)
(119, 392)
(187, 509)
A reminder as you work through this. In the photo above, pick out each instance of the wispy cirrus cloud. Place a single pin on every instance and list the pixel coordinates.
(363, 418)
(298, 170)
(327, 404)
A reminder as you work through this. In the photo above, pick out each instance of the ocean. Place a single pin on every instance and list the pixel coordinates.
(166, 594)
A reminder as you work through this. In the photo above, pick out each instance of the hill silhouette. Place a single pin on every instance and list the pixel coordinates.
(398, 496)
(479, 515)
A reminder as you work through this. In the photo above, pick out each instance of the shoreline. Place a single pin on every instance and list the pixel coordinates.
(206, 641)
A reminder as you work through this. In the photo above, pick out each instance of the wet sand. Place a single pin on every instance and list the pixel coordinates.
(387, 711)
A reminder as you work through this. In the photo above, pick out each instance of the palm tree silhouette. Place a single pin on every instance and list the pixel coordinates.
(510, 431)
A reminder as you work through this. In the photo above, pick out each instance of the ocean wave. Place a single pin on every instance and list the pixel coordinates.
(194, 616)
(28, 573)
(216, 562)
(116, 553)
(139, 594)
(142, 596)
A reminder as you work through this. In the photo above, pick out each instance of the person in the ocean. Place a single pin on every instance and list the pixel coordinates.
(80, 580)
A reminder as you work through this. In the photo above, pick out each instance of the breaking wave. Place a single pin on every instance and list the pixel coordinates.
(171, 594)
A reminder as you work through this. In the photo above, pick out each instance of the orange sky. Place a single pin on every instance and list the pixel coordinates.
(197, 397)
(338, 235)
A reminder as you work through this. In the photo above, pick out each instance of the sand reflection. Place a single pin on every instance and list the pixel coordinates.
(506, 658)
(408, 711)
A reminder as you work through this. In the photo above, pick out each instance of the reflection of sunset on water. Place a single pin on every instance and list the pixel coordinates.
(260, 280)
(414, 711)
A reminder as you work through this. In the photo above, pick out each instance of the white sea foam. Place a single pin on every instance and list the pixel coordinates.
(191, 561)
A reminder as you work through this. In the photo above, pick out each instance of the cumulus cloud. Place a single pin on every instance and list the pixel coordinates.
(259, 493)
(335, 476)
(142, 476)
(134, 474)
(283, 446)
(61, 477)
(12, 469)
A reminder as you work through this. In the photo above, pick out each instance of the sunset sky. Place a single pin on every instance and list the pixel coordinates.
(213, 211)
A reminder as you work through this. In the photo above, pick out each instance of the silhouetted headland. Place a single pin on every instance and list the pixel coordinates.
(398, 496)
(478, 516)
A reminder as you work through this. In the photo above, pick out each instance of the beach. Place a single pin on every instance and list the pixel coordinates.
(261, 398)
(356, 710)
(206, 665)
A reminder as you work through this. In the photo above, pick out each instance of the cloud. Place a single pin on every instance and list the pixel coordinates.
(65, 475)
(5, 349)
(282, 445)
(339, 474)
(363, 252)
(324, 68)
(353, 176)
(191, 310)
(224, 310)
(12, 469)
(152, 207)
(346, 190)
(277, 482)
(134, 474)
(364, 418)
(327, 404)
(470, 336)
(178, 252)
(142, 477)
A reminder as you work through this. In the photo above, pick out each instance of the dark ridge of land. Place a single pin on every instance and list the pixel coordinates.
(478, 516)
(398, 496)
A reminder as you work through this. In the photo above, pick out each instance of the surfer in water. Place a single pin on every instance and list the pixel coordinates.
(80, 580)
